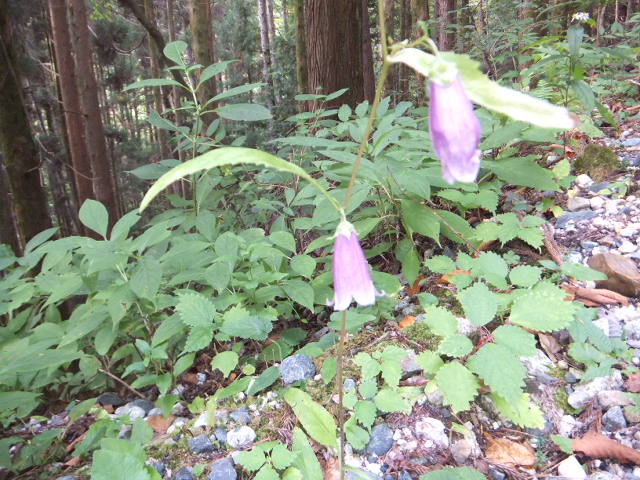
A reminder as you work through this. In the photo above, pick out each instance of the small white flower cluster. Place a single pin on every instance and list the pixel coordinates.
(580, 16)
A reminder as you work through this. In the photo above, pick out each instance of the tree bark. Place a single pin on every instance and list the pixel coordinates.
(334, 31)
(301, 47)
(8, 231)
(16, 141)
(367, 55)
(72, 110)
(446, 18)
(202, 42)
(285, 15)
(103, 182)
(265, 50)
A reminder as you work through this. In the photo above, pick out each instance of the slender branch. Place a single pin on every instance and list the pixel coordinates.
(122, 382)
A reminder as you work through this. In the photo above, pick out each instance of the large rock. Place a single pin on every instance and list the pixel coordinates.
(381, 440)
(623, 275)
(241, 437)
(223, 470)
(296, 368)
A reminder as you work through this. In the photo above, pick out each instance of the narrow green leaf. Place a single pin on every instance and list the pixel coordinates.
(318, 423)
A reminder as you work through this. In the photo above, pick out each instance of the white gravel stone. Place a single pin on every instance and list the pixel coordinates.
(434, 430)
(567, 425)
(240, 437)
(584, 393)
(578, 203)
(583, 180)
(596, 203)
(570, 468)
(627, 247)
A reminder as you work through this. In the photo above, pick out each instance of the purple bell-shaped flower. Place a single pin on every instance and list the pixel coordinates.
(351, 276)
(455, 131)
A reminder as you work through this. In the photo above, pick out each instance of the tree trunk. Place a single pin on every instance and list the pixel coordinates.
(103, 182)
(265, 50)
(16, 141)
(202, 33)
(301, 47)
(72, 110)
(446, 18)
(420, 10)
(285, 16)
(155, 61)
(334, 43)
(8, 232)
(389, 17)
(404, 72)
(367, 55)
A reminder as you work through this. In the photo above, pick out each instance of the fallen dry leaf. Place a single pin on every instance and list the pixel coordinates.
(595, 297)
(509, 453)
(160, 424)
(595, 445)
(407, 321)
(549, 344)
(446, 277)
(633, 383)
(75, 442)
(415, 288)
(332, 469)
(73, 462)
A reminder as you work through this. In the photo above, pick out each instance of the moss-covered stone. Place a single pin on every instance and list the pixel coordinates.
(421, 333)
(598, 162)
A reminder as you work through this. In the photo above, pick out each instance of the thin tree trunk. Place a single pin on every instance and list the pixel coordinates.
(16, 141)
(420, 10)
(68, 84)
(367, 55)
(103, 182)
(272, 48)
(301, 47)
(446, 17)
(202, 33)
(265, 50)
(285, 16)
(404, 72)
(8, 231)
(389, 21)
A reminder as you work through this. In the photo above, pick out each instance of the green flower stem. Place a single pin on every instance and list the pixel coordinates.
(340, 382)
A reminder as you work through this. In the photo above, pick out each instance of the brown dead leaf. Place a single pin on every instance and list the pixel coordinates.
(595, 297)
(549, 344)
(415, 288)
(72, 462)
(633, 383)
(506, 452)
(75, 442)
(446, 278)
(596, 445)
(332, 469)
(406, 321)
(189, 377)
(159, 424)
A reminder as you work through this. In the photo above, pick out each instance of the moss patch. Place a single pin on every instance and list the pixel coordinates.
(598, 162)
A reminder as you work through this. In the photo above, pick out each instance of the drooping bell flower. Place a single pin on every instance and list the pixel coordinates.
(351, 276)
(455, 131)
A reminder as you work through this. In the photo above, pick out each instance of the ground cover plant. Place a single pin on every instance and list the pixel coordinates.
(373, 263)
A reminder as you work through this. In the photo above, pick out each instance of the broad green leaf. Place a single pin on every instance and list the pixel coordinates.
(239, 323)
(356, 436)
(519, 341)
(300, 292)
(281, 458)
(390, 364)
(328, 369)
(306, 460)
(525, 275)
(303, 265)
(119, 460)
(94, 215)
(565, 444)
(456, 346)
(226, 362)
(522, 412)
(420, 219)
(213, 70)
(440, 264)
(370, 367)
(248, 112)
(366, 412)
(479, 304)
(457, 385)
(389, 400)
(368, 388)
(581, 272)
(146, 278)
(264, 380)
(174, 51)
(318, 423)
(183, 363)
(522, 171)
(500, 369)
(441, 321)
(198, 313)
(552, 311)
(429, 361)
(284, 240)
(229, 156)
(232, 92)
(251, 460)
(408, 256)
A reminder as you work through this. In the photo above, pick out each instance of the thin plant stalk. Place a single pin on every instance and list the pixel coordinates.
(386, 65)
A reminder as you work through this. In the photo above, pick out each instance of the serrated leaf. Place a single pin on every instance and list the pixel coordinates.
(492, 267)
(519, 341)
(429, 361)
(521, 412)
(440, 264)
(267, 472)
(198, 313)
(500, 369)
(388, 400)
(318, 423)
(370, 367)
(441, 321)
(225, 362)
(525, 275)
(368, 388)
(552, 311)
(457, 385)
(366, 412)
(251, 460)
(479, 304)
(455, 346)
(239, 323)
(581, 272)
(390, 366)
(356, 436)
(281, 458)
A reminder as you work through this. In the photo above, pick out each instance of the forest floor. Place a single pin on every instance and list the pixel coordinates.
(600, 227)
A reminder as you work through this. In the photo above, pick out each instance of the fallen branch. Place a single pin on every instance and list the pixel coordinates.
(595, 297)
(596, 445)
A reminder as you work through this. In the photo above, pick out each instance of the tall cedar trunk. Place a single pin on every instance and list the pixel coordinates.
(272, 47)
(389, 21)
(202, 33)
(265, 50)
(446, 19)
(301, 47)
(334, 43)
(464, 19)
(103, 183)
(72, 110)
(16, 141)
(285, 16)
(404, 72)
(8, 231)
(420, 10)
(154, 55)
(367, 55)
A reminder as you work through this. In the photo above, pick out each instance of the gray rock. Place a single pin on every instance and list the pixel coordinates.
(159, 467)
(134, 412)
(432, 431)
(461, 450)
(221, 435)
(349, 384)
(201, 444)
(603, 476)
(578, 203)
(241, 415)
(146, 405)
(596, 187)
(583, 180)
(588, 244)
(404, 475)
(223, 470)
(631, 142)
(563, 220)
(155, 412)
(613, 398)
(614, 419)
(296, 368)
(409, 364)
(240, 437)
(569, 377)
(381, 440)
(110, 398)
(495, 474)
(185, 473)
(584, 393)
